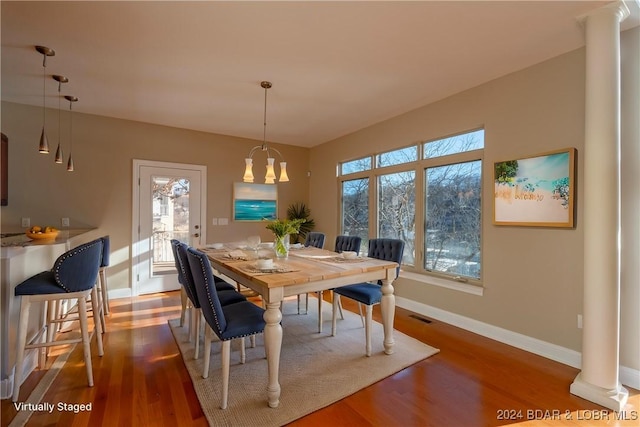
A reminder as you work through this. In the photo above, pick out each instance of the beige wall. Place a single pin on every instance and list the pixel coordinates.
(532, 276)
(99, 192)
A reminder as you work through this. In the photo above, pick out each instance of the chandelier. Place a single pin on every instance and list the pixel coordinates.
(270, 175)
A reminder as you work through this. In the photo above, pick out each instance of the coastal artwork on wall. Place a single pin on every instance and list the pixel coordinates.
(536, 191)
(254, 202)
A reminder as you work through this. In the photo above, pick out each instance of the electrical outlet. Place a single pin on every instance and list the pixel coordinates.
(223, 221)
(26, 222)
(65, 222)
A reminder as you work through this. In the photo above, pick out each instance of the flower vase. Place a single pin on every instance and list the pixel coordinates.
(282, 246)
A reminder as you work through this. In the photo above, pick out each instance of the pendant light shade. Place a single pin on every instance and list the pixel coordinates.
(270, 175)
(59, 154)
(44, 142)
(71, 99)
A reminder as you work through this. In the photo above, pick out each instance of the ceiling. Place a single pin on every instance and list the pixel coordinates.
(336, 67)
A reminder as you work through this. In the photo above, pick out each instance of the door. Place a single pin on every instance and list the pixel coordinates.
(169, 201)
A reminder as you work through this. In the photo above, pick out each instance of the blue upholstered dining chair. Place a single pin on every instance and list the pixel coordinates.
(73, 276)
(315, 239)
(348, 243)
(226, 292)
(370, 293)
(345, 243)
(228, 322)
(221, 284)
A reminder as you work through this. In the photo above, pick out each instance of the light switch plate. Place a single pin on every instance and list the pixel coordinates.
(223, 221)
(65, 222)
(26, 222)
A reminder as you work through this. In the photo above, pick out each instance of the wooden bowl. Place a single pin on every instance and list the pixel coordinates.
(42, 236)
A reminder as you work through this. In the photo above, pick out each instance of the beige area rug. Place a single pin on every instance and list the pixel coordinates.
(315, 369)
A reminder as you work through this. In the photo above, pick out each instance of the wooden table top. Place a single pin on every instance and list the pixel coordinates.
(302, 266)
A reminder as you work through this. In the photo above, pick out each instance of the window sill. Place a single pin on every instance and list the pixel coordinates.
(443, 283)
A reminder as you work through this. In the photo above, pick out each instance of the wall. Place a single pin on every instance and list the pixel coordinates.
(630, 177)
(532, 276)
(99, 192)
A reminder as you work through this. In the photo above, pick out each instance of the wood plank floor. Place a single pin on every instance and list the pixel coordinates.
(473, 381)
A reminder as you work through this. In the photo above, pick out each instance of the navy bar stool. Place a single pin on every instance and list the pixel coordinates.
(74, 275)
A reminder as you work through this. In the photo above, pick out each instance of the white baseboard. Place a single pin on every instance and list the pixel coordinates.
(120, 293)
(30, 363)
(628, 376)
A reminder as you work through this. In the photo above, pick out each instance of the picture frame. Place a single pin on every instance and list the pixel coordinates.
(536, 191)
(254, 202)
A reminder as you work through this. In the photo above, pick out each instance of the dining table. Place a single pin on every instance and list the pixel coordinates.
(305, 269)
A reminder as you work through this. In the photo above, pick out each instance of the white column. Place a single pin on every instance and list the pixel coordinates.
(598, 380)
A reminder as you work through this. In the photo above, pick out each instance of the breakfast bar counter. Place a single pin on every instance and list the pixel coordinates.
(20, 259)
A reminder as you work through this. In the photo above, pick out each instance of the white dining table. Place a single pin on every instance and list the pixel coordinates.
(304, 270)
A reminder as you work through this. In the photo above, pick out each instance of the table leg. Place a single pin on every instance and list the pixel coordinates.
(273, 345)
(388, 310)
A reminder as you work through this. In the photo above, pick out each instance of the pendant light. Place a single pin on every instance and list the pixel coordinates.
(270, 175)
(71, 100)
(44, 142)
(60, 80)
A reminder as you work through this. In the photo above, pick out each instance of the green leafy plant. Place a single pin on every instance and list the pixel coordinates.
(301, 211)
(282, 227)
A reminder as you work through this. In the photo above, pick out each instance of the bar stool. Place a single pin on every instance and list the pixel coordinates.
(102, 284)
(73, 275)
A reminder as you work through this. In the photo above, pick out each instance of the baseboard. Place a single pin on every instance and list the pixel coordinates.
(119, 293)
(30, 363)
(628, 376)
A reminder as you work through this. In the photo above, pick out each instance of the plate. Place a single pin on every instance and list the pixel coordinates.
(43, 236)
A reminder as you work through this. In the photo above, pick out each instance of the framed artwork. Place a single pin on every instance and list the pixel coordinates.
(254, 202)
(535, 191)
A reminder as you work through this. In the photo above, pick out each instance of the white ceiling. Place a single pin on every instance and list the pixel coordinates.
(336, 67)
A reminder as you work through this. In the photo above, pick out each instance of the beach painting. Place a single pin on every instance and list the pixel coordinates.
(254, 202)
(535, 191)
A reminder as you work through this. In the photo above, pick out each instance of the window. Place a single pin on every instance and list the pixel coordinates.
(355, 209)
(355, 166)
(452, 219)
(397, 210)
(429, 196)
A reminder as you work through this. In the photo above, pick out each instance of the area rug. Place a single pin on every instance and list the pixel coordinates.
(316, 370)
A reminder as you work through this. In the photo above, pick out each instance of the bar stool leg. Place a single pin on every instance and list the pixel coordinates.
(97, 323)
(86, 345)
(25, 306)
(103, 288)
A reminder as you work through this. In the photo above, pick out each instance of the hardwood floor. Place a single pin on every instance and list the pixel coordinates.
(473, 381)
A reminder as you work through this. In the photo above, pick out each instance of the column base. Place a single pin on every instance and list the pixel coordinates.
(614, 399)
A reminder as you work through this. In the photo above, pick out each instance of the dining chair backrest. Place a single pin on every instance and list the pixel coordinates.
(174, 249)
(206, 290)
(106, 248)
(348, 243)
(315, 239)
(387, 250)
(187, 276)
(77, 269)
